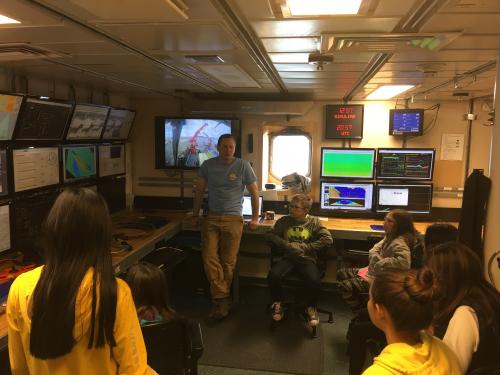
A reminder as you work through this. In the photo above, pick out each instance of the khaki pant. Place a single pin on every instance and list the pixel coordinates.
(220, 236)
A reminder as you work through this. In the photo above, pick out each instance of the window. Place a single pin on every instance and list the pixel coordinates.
(290, 153)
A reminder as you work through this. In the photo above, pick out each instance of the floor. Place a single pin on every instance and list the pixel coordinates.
(334, 344)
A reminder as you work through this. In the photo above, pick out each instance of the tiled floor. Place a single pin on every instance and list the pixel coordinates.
(334, 340)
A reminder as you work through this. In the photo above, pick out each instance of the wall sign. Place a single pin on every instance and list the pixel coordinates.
(344, 121)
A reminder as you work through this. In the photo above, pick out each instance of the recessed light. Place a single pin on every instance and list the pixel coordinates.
(4, 20)
(323, 7)
(388, 91)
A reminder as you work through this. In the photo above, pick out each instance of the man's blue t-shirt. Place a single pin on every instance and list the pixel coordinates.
(226, 184)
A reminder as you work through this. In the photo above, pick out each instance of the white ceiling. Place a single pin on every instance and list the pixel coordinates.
(142, 49)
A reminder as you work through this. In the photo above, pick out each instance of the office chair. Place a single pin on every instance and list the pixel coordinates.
(293, 278)
(486, 370)
(173, 347)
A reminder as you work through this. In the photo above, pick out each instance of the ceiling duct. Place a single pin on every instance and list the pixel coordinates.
(385, 42)
(25, 51)
(249, 107)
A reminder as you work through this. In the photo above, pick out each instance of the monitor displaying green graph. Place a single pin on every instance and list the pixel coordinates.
(79, 162)
(355, 163)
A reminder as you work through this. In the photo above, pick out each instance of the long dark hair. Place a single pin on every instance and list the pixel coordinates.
(461, 280)
(403, 227)
(78, 237)
(407, 296)
(149, 289)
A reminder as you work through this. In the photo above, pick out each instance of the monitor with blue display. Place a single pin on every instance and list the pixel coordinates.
(79, 162)
(347, 162)
(346, 196)
(406, 122)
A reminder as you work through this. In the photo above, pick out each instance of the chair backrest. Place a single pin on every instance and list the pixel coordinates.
(173, 347)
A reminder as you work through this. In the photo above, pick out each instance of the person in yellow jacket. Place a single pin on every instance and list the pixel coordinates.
(401, 305)
(72, 316)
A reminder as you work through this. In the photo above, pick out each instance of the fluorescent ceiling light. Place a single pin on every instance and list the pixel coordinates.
(289, 58)
(323, 7)
(4, 20)
(388, 91)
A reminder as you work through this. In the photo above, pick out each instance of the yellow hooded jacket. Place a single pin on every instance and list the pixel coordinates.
(127, 357)
(431, 356)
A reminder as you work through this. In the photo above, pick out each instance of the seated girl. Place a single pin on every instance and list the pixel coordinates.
(468, 310)
(393, 251)
(149, 290)
(401, 305)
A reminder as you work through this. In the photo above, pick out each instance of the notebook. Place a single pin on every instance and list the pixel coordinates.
(247, 207)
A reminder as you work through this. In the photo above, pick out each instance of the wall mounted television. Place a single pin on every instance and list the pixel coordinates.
(79, 162)
(35, 167)
(346, 196)
(185, 143)
(41, 119)
(406, 122)
(87, 122)
(347, 162)
(414, 198)
(118, 124)
(10, 105)
(405, 163)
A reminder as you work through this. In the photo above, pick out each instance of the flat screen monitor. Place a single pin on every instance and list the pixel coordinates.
(35, 167)
(118, 124)
(247, 207)
(406, 122)
(42, 120)
(87, 122)
(4, 176)
(4, 227)
(28, 215)
(79, 162)
(10, 106)
(111, 160)
(405, 163)
(411, 197)
(113, 191)
(346, 196)
(187, 142)
(347, 162)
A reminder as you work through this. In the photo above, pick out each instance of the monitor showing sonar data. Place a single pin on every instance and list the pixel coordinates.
(79, 162)
(405, 163)
(346, 196)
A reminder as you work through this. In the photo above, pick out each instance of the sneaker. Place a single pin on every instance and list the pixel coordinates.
(277, 311)
(312, 314)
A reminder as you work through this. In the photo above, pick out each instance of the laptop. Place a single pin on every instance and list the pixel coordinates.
(247, 208)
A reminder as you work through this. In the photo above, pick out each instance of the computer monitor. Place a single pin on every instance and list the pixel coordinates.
(27, 217)
(405, 163)
(4, 176)
(87, 122)
(356, 163)
(79, 162)
(5, 243)
(113, 191)
(10, 106)
(111, 160)
(247, 207)
(42, 120)
(185, 143)
(406, 122)
(35, 167)
(346, 196)
(413, 198)
(118, 124)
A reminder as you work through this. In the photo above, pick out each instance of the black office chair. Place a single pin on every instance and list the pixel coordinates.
(292, 280)
(493, 369)
(173, 347)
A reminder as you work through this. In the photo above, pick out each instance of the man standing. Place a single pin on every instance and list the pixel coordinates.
(226, 178)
